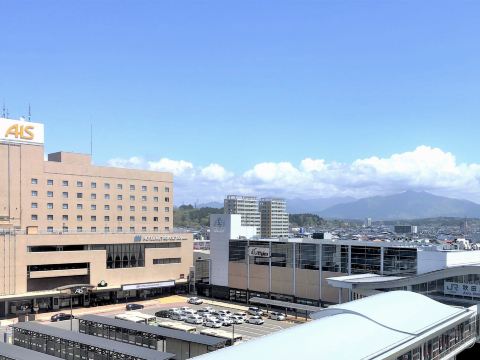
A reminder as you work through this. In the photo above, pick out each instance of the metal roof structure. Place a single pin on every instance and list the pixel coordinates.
(94, 341)
(284, 304)
(155, 330)
(20, 353)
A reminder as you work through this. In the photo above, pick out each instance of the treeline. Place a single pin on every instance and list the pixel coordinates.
(188, 216)
(306, 220)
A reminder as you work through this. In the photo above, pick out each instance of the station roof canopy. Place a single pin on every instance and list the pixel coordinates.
(377, 327)
(156, 330)
(94, 341)
(20, 353)
(284, 304)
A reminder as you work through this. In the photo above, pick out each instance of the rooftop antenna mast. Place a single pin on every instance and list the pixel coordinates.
(91, 140)
(29, 113)
(4, 110)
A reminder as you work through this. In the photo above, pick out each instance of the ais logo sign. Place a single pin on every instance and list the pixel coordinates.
(21, 131)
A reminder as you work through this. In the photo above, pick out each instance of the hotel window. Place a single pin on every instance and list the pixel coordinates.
(132, 218)
(132, 228)
(93, 207)
(167, 199)
(50, 193)
(93, 229)
(50, 217)
(34, 205)
(50, 182)
(119, 186)
(79, 195)
(79, 206)
(34, 193)
(34, 217)
(155, 189)
(132, 187)
(65, 183)
(106, 186)
(144, 218)
(167, 228)
(167, 209)
(155, 198)
(119, 207)
(34, 181)
(119, 218)
(106, 207)
(93, 218)
(64, 217)
(65, 229)
(93, 196)
(79, 183)
(106, 218)
(119, 229)
(49, 205)
(65, 206)
(107, 197)
(79, 217)
(132, 208)
(144, 208)
(155, 209)
(155, 228)
(144, 228)
(132, 197)
(144, 188)
(49, 228)
(167, 189)
(65, 195)
(155, 218)
(93, 185)
(119, 197)
(106, 229)
(79, 229)
(144, 198)
(167, 219)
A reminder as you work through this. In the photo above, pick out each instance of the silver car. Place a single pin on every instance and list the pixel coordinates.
(256, 320)
(178, 316)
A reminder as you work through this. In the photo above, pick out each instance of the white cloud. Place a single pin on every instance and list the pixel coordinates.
(424, 168)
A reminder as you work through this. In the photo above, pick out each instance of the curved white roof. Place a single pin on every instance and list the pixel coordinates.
(361, 329)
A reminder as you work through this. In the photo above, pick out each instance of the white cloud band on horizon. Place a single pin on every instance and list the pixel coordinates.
(425, 168)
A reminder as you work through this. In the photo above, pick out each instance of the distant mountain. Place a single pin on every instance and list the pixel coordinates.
(406, 205)
(212, 204)
(314, 206)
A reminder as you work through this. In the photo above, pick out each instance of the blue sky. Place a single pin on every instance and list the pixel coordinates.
(242, 83)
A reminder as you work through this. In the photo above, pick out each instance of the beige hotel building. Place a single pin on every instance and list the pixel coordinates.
(64, 222)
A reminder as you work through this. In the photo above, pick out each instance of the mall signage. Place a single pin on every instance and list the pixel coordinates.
(259, 251)
(21, 131)
(461, 289)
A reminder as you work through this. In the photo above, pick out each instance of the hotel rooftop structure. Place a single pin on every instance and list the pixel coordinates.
(65, 221)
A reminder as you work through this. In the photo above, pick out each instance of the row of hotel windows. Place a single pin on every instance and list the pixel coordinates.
(93, 196)
(94, 207)
(93, 185)
(107, 229)
(94, 218)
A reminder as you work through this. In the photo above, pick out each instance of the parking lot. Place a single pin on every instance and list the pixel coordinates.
(245, 330)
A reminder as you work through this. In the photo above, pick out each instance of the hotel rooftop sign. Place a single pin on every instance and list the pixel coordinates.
(20, 131)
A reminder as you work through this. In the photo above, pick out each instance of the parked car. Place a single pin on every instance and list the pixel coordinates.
(225, 312)
(257, 320)
(241, 314)
(226, 320)
(202, 311)
(276, 316)
(237, 319)
(213, 323)
(255, 311)
(61, 317)
(178, 316)
(194, 319)
(134, 307)
(195, 300)
(163, 314)
(189, 312)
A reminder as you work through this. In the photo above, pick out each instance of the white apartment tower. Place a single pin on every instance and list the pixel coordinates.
(247, 207)
(274, 218)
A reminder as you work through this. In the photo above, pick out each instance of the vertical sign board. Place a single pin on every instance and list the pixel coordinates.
(19, 131)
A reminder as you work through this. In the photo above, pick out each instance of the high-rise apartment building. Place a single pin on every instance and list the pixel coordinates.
(247, 207)
(64, 221)
(274, 218)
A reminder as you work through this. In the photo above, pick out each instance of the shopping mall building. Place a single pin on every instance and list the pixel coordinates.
(323, 270)
(66, 225)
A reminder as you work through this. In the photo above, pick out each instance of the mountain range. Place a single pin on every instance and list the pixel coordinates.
(406, 205)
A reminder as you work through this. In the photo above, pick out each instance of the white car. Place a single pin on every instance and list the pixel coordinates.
(241, 314)
(255, 311)
(178, 316)
(195, 300)
(257, 320)
(226, 320)
(213, 323)
(224, 312)
(276, 316)
(205, 310)
(194, 319)
(237, 319)
(188, 312)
